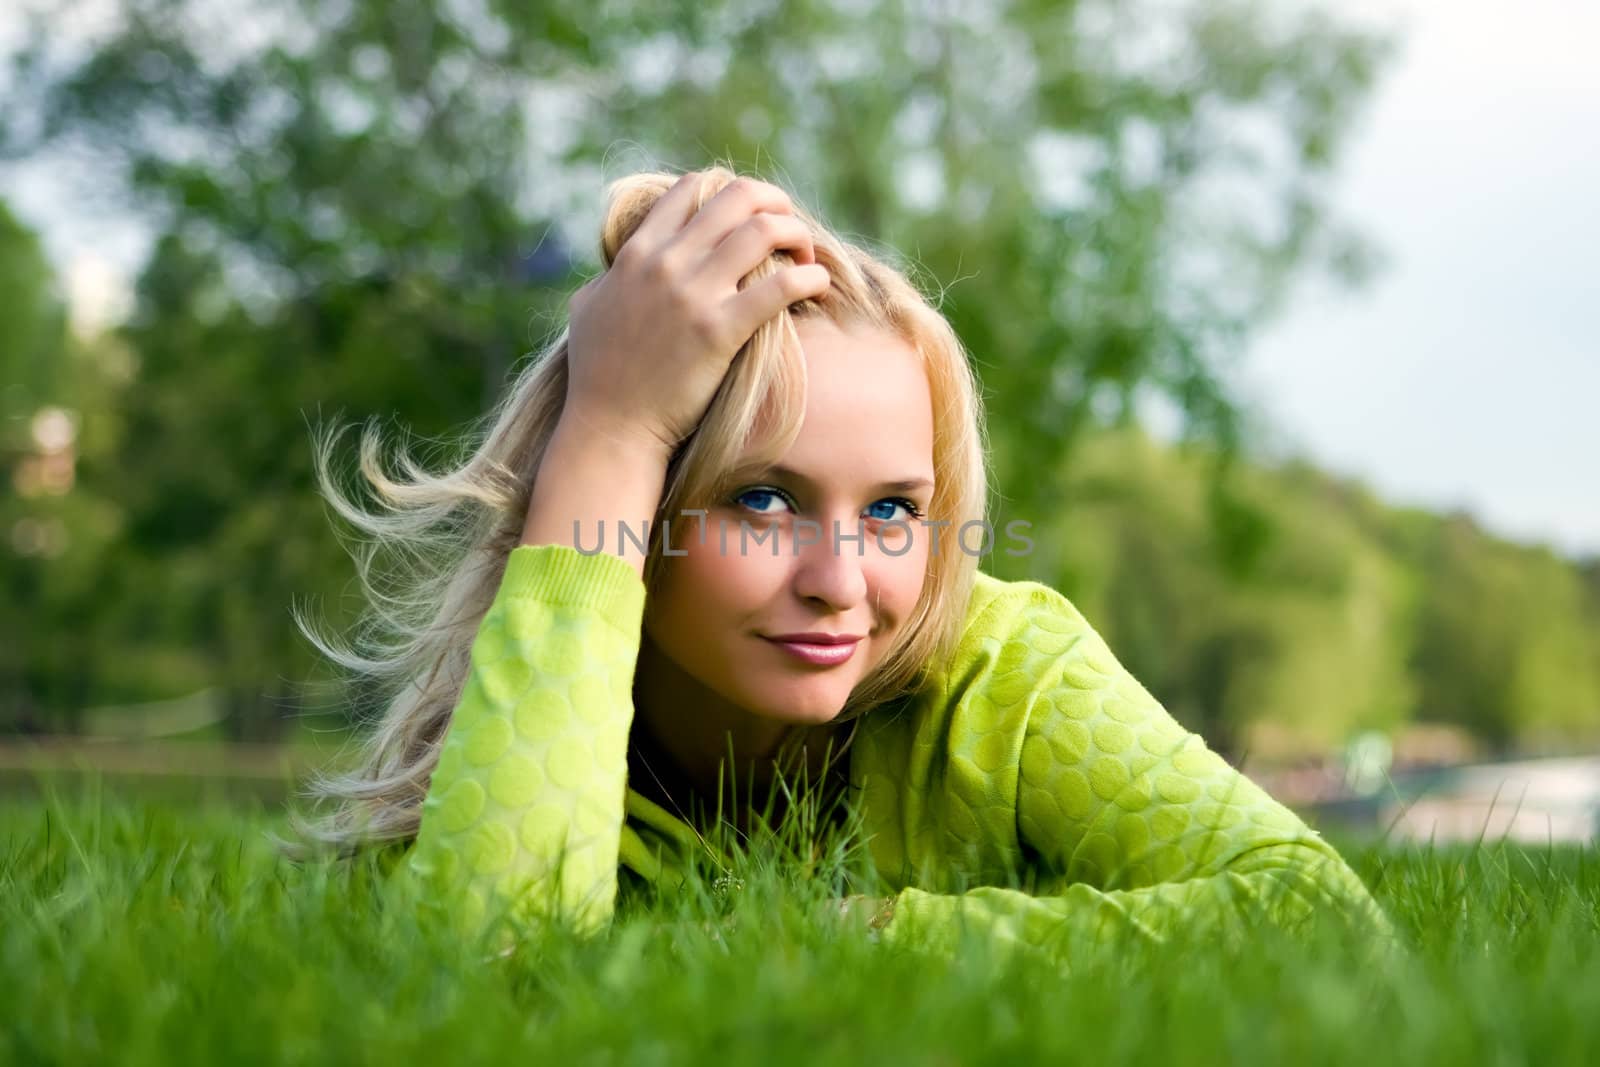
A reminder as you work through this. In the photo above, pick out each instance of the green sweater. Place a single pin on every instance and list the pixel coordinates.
(1032, 752)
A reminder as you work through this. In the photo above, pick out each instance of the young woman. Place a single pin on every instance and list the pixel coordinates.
(725, 525)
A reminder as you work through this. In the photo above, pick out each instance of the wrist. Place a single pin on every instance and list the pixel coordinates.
(588, 486)
(580, 429)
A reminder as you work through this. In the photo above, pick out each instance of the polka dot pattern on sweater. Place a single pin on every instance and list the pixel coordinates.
(1052, 750)
(512, 802)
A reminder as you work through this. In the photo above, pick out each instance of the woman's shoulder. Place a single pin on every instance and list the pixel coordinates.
(969, 720)
(1016, 635)
(1009, 610)
(1015, 632)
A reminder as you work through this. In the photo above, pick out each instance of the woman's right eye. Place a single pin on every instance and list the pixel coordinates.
(759, 495)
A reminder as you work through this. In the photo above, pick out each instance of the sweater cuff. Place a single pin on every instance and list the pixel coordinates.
(560, 574)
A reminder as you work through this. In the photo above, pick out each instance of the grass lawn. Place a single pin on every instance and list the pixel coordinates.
(140, 929)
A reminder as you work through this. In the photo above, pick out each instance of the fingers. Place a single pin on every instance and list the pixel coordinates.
(760, 302)
(669, 213)
(753, 241)
(725, 212)
(727, 238)
(702, 236)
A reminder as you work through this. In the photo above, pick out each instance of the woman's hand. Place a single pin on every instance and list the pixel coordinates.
(650, 340)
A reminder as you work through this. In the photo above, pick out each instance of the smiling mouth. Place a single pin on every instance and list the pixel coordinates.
(817, 654)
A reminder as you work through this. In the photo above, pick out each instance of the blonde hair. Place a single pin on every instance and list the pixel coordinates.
(454, 530)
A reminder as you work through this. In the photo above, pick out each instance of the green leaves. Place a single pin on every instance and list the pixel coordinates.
(365, 209)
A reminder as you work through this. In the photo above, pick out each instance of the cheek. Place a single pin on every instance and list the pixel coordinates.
(705, 588)
(899, 584)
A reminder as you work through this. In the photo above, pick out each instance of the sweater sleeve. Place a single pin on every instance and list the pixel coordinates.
(1129, 824)
(524, 811)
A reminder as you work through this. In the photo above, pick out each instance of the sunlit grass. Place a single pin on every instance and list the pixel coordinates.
(135, 929)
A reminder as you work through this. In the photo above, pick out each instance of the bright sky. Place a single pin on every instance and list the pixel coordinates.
(1468, 373)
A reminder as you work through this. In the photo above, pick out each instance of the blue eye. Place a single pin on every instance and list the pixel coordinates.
(759, 493)
(911, 508)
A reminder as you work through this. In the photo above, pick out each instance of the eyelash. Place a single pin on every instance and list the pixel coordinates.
(910, 506)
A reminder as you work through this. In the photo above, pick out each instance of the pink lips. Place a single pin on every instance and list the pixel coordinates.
(819, 649)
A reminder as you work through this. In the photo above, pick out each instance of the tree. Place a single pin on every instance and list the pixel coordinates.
(362, 209)
(53, 531)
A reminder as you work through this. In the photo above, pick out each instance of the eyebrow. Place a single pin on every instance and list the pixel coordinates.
(903, 485)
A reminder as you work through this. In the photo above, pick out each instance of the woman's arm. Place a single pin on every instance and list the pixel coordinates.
(524, 810)
(588, 484)
(1133, 827)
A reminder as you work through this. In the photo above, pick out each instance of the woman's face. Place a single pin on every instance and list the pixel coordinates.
(716, 612)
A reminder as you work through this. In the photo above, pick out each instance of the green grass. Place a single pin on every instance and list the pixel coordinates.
(157, 930)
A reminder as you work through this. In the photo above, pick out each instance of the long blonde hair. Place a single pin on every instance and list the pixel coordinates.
(451, 532)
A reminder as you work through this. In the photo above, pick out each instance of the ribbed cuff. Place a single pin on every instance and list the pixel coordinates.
(560, 574)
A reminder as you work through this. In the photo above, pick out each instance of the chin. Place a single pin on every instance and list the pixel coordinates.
(798, 709)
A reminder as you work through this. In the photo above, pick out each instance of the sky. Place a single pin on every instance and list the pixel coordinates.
(1467, 374)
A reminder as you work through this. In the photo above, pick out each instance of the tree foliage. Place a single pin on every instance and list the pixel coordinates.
(371, 210)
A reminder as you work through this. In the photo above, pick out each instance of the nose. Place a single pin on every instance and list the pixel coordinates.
(830, 572)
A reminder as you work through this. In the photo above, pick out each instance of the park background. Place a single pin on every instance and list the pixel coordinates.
(1277, 308)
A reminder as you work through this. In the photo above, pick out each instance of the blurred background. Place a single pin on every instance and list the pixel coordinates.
(1283, 311)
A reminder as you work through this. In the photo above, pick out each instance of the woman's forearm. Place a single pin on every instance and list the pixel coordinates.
(589, 484)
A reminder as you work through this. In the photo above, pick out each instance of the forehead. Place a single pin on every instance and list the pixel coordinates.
(869, 409)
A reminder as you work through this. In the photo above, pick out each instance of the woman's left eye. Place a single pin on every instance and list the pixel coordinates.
(900, 501)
